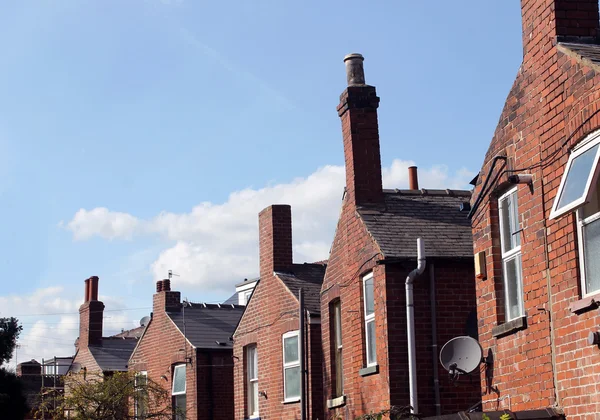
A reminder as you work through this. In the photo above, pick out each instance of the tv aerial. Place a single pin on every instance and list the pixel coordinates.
(461, 356)
(144, 321)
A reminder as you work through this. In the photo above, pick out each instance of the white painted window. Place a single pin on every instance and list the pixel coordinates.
(252, 380)
(141, 395)
(510, 242)
(291, 366)
(246, 297)
(588, 227)
(178, 392)
(336, 310)
(579, 178)
(369, 303)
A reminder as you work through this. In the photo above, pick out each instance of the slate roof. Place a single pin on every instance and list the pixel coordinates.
(207, 324)
(232, 300)
(246, 281)
(134, 332)
(587, 53)
(432, 215)
(309, 277)
(114, 353)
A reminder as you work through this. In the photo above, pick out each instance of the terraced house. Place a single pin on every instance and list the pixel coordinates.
(535, 220)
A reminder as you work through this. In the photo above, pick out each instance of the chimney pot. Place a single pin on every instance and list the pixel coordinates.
(166, 285)
(413, 179)
(93, 288)
(159, 286)
(355, 73)
(87, 291)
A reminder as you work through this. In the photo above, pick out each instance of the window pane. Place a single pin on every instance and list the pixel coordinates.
(290, 345)
(577, 177)
(591, 251)
(369, 300)
(179, 379)
(371, 352)
(512, 281)
(292, 382)
(338, 324)
(252, 359)
(180, 407)
(253, 389)
(509, 222)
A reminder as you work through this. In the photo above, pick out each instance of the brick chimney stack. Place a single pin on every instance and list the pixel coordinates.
(91, 314)
(358, 112)
(546, 22)
(275, 239)
(166, 299)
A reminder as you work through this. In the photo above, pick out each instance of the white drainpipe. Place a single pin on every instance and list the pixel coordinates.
(410, 325)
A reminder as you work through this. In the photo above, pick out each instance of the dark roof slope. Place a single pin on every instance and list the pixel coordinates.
(114, 353)
(588, 54)
(207, 325)
(309, 277)
(432, 215)
(232, 300)
(132, 333)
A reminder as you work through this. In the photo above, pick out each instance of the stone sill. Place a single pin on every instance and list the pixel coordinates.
(586, 303)
(336, 402)
(509, 327)
(370, 370)
(291, 401)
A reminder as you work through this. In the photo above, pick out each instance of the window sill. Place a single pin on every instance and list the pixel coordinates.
(369, 370)
(291, 401)
(509, 327)
(336, 402)
(585, 304)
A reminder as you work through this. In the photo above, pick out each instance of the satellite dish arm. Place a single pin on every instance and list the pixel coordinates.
(410, 325)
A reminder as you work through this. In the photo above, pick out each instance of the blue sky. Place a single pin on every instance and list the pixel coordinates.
(144, 135)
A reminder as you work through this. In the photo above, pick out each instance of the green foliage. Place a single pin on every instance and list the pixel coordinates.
(94, 396)
(505, 416)
(9, 332)
(485, 417)
(13, 404)
(393, 413)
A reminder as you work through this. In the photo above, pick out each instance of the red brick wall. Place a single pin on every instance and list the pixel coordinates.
(271, 312)
(209, 379)
(90, 323)
(552, 96)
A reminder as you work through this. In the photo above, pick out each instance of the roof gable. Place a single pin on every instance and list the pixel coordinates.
(309, 278)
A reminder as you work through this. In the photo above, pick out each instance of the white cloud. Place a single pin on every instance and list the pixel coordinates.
(51, 322)
(215, 245)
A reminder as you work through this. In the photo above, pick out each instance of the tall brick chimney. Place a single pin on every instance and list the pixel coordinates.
(358, 112)
(91, 314)
(275, 239)
(166, 299)
(547, 21)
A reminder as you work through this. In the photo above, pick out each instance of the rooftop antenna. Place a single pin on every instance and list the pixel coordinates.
(171, 274)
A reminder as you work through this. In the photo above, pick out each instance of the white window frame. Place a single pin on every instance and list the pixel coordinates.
(290, 365)
(512, 253)
(585, 145)
(175, 394)
(369, 318)
(137, 414)
(338, 347)
(252, 382)
(246, 296)
(581, 223)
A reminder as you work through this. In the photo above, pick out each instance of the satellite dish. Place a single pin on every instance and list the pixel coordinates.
(144, 321)
(461, 355)
(76, 367)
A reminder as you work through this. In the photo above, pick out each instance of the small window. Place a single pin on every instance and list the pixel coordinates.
(252, 380)
(141, 395)
(291, 366)
(510, 242)
(369, 302)
(336, 310)
(179, 389)
(247, 296)
(579, 176)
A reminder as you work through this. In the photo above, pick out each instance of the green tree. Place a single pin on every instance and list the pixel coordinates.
(95, 396)
(13, 404)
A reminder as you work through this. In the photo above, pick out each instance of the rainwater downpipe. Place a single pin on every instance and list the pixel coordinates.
(410, 326)
(434, 343)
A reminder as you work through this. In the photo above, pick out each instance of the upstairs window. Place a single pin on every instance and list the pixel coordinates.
(510, 243)
(580, 175)
(336, 336)
(178, 392)
(252, 380)
(369, 302)
(291, 366)
(579, 192)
